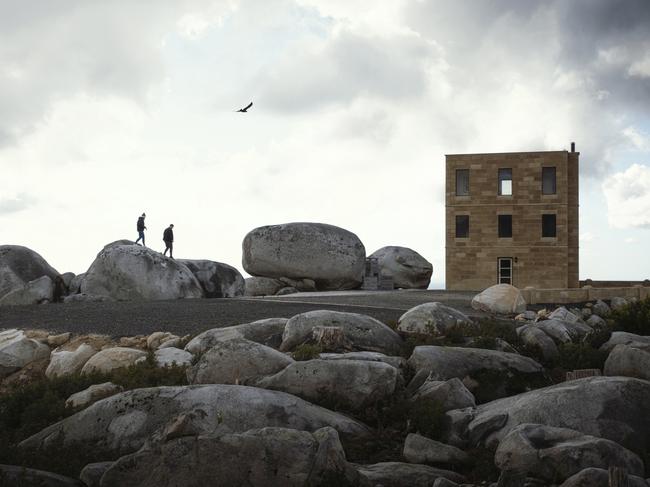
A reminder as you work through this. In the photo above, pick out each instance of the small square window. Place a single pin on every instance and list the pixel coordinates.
(505, 182)
(548, 180)
(462, 226)
(462, 182)
(549, 226)
(505, 226)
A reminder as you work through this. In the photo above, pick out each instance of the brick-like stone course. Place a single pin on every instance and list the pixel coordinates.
(471, 263)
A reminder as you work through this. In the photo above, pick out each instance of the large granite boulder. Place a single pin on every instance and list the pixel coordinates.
(364, 332)
(534, 337)
(111, 359)
(237, 361)
(493, 373)
(397, 474)
(218, 280)
(262, 286)
(17, 351)
(564, 331)
(332, 257)
(20, 265)
(555, 454)
(434, 319)
(350, 384)
(122, 423)
(267, 332)
(172, 356)
(418, 449)
(408, 269)
(625, 338)
(38, 291)
(614, 408)
(92, 394)
(267, 457)
(599, 477)
(447, 395)
(500, 299)
(132, 272)
(629, 361)
(20, 476)
(398, 362)
(64, 362)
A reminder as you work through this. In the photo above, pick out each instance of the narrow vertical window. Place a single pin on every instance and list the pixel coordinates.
(505, 226)
(462, 226)
(505, 182)
(549, 226)
(548, 180)
(462, 182)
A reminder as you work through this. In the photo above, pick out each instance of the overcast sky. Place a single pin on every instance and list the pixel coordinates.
(109, 109)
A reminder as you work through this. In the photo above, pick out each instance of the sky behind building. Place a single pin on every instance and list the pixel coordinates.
(109, 109)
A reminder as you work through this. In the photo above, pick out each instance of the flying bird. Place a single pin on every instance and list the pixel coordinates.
(245, 109)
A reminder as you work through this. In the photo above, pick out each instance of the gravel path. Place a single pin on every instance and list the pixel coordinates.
(195, 315)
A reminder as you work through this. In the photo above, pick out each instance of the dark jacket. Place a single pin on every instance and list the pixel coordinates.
(168, 235)
(140, 224)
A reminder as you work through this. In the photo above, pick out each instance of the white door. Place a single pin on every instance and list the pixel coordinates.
(504, 271)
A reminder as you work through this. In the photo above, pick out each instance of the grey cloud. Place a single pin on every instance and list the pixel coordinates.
(51, 50)
(348, 66)
(16, 204)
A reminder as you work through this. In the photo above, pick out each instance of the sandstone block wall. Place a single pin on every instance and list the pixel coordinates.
(542, 262)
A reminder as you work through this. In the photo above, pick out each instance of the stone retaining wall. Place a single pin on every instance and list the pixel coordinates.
(579, 295)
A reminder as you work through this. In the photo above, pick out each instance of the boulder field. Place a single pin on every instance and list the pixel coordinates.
(328, 398)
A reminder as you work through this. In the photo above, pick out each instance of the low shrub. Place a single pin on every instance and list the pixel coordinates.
(573, 356)
(27, 409)
(632, 318)
(306, 351)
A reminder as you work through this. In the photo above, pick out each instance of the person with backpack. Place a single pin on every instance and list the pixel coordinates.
(168, 238)
(141, 228)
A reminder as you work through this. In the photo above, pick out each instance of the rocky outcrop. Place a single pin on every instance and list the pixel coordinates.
(601, 308)
(447, 395)
(111, 359)
(20, 265)
(613, 408)
(267, 457)
(123, 422)
(37, 291)
(92, 473)
(598, 477)
(629, 361)
(218, 280)
(63, 363)
(555, 454)
(18, 476)
(563, 331)
(492, 371)
(17, 351)
(397, 474)
(262, 286)
(501, 299)
(267, 332)
(92, 394)
(535, 337)
(237, 361)
(398, 362)
(332, 257)
(624, 338)
(350, 384)
(418, 449)
(171, 356)
(434, 319)
(408, 269)
(363, 332)
(132, 272)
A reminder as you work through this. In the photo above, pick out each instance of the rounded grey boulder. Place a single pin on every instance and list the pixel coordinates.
(408, 269)
(332, 257)
(122, 423)
(433, 319)
(20, 265)
(132, 272)
(218, 280)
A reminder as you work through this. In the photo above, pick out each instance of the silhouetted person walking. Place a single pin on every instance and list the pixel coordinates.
(168, 238)
(141, 229)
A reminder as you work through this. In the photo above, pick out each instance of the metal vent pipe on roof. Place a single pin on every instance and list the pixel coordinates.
(573, 146)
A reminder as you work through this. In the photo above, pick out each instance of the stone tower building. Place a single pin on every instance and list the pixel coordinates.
(512, 218)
